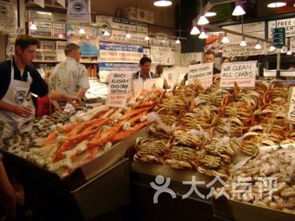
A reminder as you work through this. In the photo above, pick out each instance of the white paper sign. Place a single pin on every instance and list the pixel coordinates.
(137, 85)
(291, 112)
(288, 24)
(119, 87)
(243, 73)
(8, 16)
(201, 72)
(148, 84)
(78, 11)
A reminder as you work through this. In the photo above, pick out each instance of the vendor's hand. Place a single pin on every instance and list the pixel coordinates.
(73, 100)
(23, 110)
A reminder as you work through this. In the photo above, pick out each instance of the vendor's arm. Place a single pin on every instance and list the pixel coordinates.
(17, 109)
(61, 96)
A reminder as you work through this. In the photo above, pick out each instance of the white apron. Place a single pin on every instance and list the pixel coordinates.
(16, 94)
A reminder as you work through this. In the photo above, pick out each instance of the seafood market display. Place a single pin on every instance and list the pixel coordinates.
(67, 147)
(39, 129)
(266, 180)
(204, 130)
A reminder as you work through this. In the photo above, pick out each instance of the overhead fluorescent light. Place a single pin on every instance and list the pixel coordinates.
(210, 14)
(162, 3)
(276, 4)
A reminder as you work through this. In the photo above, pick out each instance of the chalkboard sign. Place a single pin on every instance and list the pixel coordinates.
(278, 36)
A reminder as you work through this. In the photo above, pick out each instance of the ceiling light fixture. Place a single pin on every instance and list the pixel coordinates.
(162, 3)
(128, 36)
(258, 46)
(82, 31)
(32, 26)
(272, 48)
(203, 35)
(225, 39)
(243, 43)
(203, 20)
(195, 31)
(276, 4)
(177, 41)
(238, 11)
(210, 14)
(106, 33)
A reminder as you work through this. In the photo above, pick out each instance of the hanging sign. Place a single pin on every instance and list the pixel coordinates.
(10, 50)
(79, 11)
(242, 73)
(201, 72)
(115, 52)
(8, 16)
(119, 87)
(291, 112)
(162, 55)
(288, 24)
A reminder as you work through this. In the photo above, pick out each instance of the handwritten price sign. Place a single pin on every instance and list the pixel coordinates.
(243, 73)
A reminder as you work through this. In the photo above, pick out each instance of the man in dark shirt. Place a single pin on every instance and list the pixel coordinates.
(145, 67)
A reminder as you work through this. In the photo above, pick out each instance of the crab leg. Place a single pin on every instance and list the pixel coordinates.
(100, 139)
(123, 134)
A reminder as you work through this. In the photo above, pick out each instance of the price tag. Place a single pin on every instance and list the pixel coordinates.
(201, 72)
(243, 73)
(119, 87)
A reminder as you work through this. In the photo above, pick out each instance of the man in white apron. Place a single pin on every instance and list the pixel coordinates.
(17, 79)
